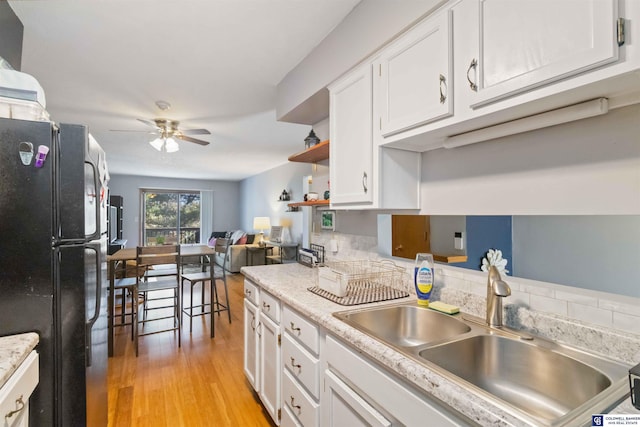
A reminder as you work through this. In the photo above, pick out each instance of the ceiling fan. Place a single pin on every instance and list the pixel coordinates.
(168, 131)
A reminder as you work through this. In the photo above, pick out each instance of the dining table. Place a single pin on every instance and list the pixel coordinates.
(121, 257)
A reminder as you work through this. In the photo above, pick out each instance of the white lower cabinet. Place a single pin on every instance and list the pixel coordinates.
(306, 377)
(15, 393)
(343, 406)
(354, 388)
(262, 364)
(270, 367)
(251, 344)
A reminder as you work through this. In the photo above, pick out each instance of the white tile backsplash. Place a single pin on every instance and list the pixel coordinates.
(590, 314)
(548, 305)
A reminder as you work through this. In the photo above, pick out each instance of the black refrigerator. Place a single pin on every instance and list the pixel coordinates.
(53, 239)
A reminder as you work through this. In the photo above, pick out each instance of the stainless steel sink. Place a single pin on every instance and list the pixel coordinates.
(536, 380)
(405, 325)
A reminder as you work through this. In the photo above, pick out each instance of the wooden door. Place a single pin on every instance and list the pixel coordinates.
(410, 234)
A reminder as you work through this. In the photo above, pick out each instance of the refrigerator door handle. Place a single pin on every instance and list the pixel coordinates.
(90, 322)
(98, 200)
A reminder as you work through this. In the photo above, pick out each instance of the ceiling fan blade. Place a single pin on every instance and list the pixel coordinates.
(195, 132)
(148, 122)
(150, 132)
(188, 138)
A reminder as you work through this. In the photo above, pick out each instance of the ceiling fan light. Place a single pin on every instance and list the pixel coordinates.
(171, 145)
(157, 144)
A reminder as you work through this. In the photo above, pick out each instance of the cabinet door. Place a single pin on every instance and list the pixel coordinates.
(342, 406)
(525, 44)
(270, 367)
(351, 138)
(250, 344)
(413, 81)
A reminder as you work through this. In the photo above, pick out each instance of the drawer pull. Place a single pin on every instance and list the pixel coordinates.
(293, 328)
(293, 363)
(247, 292)
(266, 306)
(19, 407)
(293, 405)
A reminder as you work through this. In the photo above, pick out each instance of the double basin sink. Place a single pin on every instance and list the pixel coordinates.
(536, 380)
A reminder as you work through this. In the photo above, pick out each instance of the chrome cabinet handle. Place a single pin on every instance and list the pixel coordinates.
(473, 66)
(253, 323)
(293, 363)
(266, 306)
(19, 407)
(443, 96)
(293, 405)
(364, 181)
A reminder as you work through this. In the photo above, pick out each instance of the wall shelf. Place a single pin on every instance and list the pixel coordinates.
(311, 203)
(314, 154)
(450, 259)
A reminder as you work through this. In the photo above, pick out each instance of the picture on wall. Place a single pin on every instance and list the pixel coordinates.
(329, 220)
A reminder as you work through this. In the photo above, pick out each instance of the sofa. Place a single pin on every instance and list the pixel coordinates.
(237, 252)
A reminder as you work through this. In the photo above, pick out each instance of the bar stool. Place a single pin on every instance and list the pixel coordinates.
(210, 277)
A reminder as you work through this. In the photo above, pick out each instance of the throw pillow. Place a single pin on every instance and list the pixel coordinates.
(251, 238)
(218, 234)
(212, 242)
(242, 240)
(236, 236)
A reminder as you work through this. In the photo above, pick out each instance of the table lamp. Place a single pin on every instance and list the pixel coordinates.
(261, 223)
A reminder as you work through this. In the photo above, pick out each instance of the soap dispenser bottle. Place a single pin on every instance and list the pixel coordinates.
(423, 277)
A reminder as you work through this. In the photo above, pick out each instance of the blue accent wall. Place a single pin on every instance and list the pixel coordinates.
(484, 233)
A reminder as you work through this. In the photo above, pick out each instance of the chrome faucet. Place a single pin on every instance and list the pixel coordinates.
(496, 290)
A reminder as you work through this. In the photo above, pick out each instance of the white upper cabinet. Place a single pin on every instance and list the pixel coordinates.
(351, 148)
(413, 76)
(525, 44)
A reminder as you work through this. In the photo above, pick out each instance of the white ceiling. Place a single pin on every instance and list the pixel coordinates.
(104, 63)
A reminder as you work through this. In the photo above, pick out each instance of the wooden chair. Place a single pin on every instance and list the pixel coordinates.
(210, 276)
(159, 288)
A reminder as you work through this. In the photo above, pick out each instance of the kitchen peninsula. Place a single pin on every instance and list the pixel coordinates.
(285, 286)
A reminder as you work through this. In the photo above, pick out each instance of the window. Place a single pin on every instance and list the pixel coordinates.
(170, 217)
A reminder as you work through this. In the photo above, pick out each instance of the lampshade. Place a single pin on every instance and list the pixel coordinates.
(157, 144)
(261, 223)
(168, 145)
(171, 145)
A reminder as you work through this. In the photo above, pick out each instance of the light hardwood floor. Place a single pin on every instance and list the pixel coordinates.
(200, 384)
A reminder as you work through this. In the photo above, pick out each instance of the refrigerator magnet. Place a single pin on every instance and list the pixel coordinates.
(26, 152)
(43, 150)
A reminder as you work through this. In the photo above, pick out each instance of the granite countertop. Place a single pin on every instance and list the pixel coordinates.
(14, 349)
(289, 283)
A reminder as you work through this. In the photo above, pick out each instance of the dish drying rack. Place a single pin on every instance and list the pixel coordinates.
(360, 282)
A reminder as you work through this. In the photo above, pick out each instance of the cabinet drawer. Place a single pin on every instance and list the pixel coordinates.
(380, 390)
(251, 292)
(288, 419)
(301, 365)
(301, 329)
(270, 306)
(305, 409)
(16, 391)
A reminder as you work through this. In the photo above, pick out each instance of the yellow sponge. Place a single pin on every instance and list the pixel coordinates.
(443, 307)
